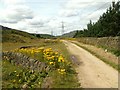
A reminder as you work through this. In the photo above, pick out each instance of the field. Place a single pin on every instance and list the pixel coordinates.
(60, 75)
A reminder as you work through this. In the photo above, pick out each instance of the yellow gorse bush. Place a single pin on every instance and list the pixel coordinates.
(48, 55)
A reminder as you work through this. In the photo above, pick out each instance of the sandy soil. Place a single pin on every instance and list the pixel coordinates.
(92, 72)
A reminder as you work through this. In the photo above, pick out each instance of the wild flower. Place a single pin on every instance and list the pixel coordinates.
(15, 71)
(14, 81)
(39, 83)
(61, 71)
(17, 75)
(60, 58)
(51, 63)
(48, 55)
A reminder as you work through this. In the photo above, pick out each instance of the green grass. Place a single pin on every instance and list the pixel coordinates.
(65, 81)
(117, 67)
(116, 52)
(16, 77)
(112, 50)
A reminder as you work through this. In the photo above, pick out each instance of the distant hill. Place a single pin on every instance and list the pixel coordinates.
(13, 35)
(70, 34)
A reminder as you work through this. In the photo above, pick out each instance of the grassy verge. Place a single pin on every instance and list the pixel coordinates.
(117, 67)
(116, 52)
(70, 79)
(109, 43)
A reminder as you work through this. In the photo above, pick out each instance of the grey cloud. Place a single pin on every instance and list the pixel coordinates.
(16, 14)
(8, 21)
(71, 14)
(68, 13)
(36, 23)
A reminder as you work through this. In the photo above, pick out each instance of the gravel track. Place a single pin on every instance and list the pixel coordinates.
(92, 72)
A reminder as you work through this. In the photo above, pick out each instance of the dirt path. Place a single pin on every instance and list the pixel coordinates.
(92, 72)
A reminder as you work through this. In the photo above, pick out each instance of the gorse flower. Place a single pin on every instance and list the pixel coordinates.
(61, 71)
(51, 63)
(60, 59)
(47, 55)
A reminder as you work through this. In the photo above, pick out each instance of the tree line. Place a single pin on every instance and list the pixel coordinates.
(108, 24)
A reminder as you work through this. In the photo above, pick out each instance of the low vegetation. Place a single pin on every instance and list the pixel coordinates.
(110, 44)
(62, 73)
(19, 77)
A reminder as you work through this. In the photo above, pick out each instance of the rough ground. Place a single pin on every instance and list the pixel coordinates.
(92, 72)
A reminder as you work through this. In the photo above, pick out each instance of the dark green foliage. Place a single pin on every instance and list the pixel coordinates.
(18, 77)
(107, 25)
(44, 36)
(116, 52)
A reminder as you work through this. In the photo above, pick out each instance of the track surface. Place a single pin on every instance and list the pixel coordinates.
(92, 72)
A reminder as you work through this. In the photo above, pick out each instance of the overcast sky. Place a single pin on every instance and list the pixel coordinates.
(44, 16)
